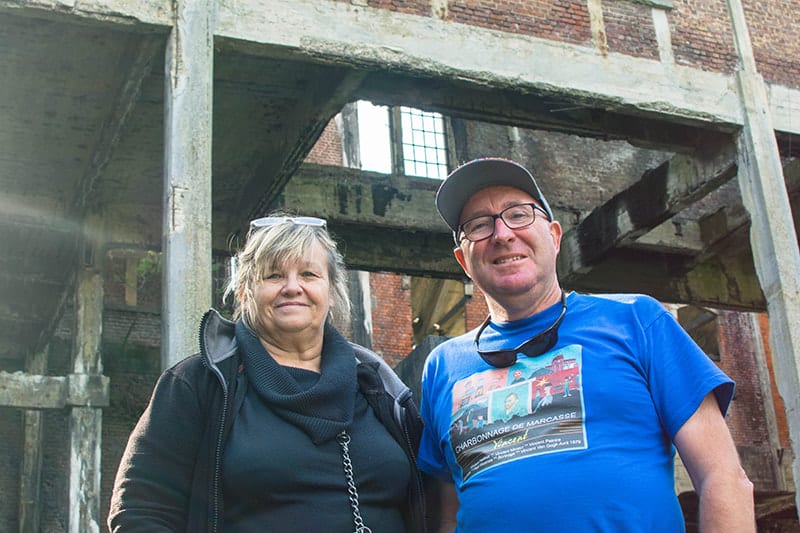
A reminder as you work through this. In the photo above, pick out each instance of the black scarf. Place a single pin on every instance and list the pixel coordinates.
(322, 411)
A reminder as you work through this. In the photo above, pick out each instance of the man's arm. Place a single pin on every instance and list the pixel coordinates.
(448, 506)
(724, 491)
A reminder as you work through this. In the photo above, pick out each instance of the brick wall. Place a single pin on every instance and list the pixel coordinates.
(629, 29)
(328, 149)
(476, 310)
(557, 20)
(702, 35)
(701, 30)
(780, 408)
(392, 333)
(412, 7)
(737, 359)
(774, 30)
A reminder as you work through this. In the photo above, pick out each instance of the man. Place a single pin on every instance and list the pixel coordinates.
(599, 458)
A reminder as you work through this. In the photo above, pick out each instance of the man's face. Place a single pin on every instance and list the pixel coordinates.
(513, 267)
(511, 401)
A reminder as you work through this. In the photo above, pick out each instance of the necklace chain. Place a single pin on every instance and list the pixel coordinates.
(344, 442)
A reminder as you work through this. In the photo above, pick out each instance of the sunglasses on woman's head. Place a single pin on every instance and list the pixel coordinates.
(265, 222)
(533, 347)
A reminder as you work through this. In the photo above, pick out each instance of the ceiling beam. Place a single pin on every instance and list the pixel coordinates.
(562, 113)
(657, 196)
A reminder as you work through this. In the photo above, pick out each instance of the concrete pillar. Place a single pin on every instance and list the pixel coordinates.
(86, 422)
(772, 235)
(31, 470)
(770, 420)
(361, 304)
(187, 285)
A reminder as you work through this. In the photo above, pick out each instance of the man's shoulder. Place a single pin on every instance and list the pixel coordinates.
(618, 300)
(456, 344)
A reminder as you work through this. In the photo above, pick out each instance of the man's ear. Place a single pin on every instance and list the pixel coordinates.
(556, 233)
(459, 253)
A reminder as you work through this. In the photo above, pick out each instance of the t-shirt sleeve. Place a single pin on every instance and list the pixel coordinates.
(680, 374)
(430, 458)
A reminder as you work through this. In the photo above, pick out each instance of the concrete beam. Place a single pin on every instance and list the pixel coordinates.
(149, 13)
(403, 252)
(367, 38)
(649, 202)
(407, 236)
(562, 113)
(719, 282)
(34, 391)
(298, 138)
(352, 196)
(373, 38)
(138, 61)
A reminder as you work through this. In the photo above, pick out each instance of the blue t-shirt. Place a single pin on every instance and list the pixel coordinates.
(576, 439)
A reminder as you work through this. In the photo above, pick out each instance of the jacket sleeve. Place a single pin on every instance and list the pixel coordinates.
(153, 485)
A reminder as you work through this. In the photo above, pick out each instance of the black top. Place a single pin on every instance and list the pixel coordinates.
(170, 476)
(276, 479)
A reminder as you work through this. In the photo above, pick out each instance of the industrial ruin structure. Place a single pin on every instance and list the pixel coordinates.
(138, 138)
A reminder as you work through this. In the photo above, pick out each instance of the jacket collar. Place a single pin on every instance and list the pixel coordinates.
(217, 337)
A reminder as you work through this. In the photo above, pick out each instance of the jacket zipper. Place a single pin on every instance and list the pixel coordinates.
(218, 448)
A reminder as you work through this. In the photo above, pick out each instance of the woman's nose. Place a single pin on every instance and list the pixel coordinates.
(292, 283)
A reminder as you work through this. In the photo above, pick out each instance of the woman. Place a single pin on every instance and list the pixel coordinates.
(279, 423)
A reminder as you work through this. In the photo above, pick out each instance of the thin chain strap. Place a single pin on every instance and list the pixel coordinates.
(344, 441)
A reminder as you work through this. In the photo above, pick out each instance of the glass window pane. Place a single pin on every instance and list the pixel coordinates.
(424, 143)
(374, 137)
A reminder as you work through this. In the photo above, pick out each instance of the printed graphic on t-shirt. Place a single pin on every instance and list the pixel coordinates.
(530, 408)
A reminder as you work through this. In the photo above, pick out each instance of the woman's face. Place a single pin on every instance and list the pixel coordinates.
(295, 297)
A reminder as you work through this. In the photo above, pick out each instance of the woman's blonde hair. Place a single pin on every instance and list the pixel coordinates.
(271, 247)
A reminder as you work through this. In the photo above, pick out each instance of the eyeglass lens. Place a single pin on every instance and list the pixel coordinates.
(515, 217)
(533, 347)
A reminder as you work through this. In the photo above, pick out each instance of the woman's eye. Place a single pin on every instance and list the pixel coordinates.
(273, 275)
(309, 275)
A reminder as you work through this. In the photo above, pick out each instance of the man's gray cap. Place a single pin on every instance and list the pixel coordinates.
(469, 178)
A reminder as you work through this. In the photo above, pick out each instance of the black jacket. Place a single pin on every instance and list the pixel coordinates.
(169, 476)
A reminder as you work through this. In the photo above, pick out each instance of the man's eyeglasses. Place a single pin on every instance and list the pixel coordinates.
(515, 217)
(265, 222)
(532, 347)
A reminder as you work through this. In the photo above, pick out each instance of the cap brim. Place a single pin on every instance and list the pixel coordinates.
(478, 174)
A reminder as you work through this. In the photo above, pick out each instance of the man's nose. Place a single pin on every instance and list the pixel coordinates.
(501, 230)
